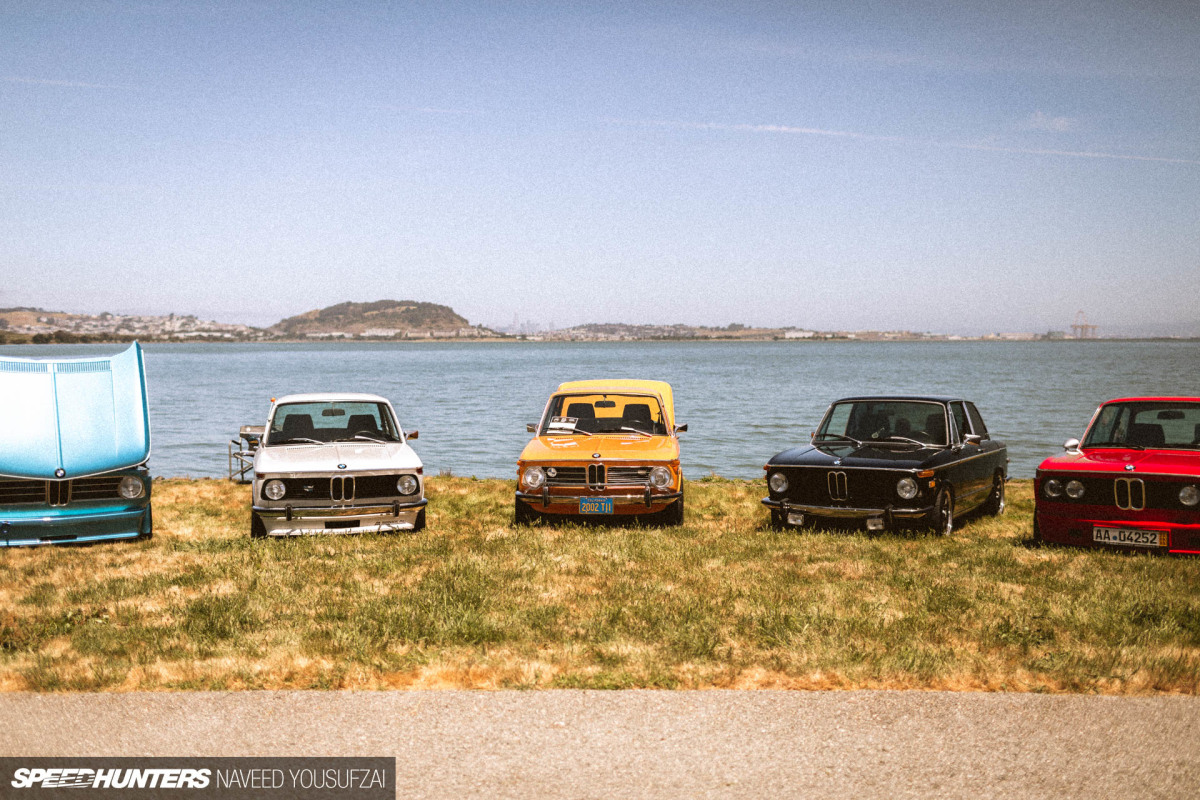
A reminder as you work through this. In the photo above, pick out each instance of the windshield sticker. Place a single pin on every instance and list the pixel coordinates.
(562, 425)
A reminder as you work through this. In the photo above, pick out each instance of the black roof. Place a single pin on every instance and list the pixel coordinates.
(927, 398)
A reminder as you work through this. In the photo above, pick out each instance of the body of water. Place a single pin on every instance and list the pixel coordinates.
(742, 401)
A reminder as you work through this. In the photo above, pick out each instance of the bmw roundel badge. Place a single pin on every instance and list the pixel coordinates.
(341, 466)
(595, 455)
(60, 473)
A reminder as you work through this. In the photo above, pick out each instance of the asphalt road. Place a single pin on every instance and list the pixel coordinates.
(578, 744)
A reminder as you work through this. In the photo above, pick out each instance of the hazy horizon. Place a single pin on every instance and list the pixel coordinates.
(934, 166)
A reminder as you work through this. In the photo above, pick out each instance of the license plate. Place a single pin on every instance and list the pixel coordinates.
(595, 505)
(1129, 537)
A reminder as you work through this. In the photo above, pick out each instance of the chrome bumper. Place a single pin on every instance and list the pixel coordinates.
(840, 512)
(373, 518)
(645, 498)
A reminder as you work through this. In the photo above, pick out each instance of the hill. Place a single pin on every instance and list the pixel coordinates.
(381, 319)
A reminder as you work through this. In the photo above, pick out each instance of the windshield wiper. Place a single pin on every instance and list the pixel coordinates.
(841, 436)
(299, 440)
(635, 430)
(567, 433)
(1124, 445)
(382, 437)
(907, 440)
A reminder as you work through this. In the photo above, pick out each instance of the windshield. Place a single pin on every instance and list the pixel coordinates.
(581, 414)
(332, 422)
(878, 421)
(1171, 425)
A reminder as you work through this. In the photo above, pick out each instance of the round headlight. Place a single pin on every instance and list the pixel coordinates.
(906, 488)
(407, 484)
(1052, 488)
(533, 478)
(660, 477)
(274, 490)
(1189, 495)
(131, 488)
(1074, 490)
(777, 482)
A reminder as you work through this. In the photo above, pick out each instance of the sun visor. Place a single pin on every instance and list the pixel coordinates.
(80, 416)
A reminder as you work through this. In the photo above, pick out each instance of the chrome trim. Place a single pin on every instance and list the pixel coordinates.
(848, 513)
(58, 493)
(337, 488)
(307, 512)
(570, 499)
(836, 483)
(1129, 484)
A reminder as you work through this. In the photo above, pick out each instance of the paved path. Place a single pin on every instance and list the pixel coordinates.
(659, 744)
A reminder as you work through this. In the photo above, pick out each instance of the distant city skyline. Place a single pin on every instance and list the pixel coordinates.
(926, 166)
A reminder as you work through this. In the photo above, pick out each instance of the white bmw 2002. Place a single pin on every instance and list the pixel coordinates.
(335, 463)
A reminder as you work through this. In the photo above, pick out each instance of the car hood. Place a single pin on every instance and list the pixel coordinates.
(329, 458)
(81, 416)
(1162, 462)
(849, 456)
(585, 448)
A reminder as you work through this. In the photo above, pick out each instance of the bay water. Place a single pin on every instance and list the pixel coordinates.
(742, 401)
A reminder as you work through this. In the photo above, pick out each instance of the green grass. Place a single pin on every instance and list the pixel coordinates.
(474, 602)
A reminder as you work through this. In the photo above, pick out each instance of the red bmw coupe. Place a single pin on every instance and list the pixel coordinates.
(1134, 481)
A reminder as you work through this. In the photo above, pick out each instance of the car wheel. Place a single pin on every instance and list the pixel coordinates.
(995, 503)
(1037, 532)
(777, 521)
(673, 514)
(419, 523)
(257, 529)
(943, 514)
(523, 514)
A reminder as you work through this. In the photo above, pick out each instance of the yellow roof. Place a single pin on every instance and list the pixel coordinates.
(660, 388)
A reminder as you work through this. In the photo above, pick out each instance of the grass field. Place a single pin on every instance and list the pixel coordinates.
(474, 602)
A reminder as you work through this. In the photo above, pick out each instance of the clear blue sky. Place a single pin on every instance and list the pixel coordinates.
(959, 167)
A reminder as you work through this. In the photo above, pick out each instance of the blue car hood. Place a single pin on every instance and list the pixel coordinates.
(81, 416)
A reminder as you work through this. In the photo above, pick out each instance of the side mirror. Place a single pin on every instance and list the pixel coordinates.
(412, 434)
(972, 438)
(1071, 445)
(681, 428)
(531, 427)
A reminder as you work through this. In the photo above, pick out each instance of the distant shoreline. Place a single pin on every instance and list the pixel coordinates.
(27, 342)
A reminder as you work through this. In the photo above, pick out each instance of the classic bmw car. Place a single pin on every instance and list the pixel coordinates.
(890, 462)
(335, 463)
(1134, 481)
(74, 441)
(603, 447)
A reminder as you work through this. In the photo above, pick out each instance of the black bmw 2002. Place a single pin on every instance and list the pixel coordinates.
(890, 462)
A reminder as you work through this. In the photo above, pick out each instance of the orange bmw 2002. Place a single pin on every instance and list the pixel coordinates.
(604, 448)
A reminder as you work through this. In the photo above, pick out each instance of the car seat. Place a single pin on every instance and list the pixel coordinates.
(637, 415)
(361, 423)
(298, 426)
(1145, 435)
(585, 414)
(935, 426)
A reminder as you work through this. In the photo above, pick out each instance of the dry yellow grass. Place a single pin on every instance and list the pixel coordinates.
(474, 602)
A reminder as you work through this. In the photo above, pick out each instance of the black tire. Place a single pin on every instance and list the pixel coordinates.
(523, 514)
(777, 521)
(996, 502)
(419, 523)
(257, 529)
(1037, 532)
(942, 520)
(673, 514)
